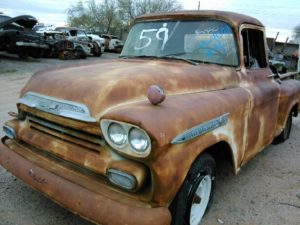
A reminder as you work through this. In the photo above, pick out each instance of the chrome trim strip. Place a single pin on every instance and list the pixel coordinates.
(29, 44)
(56, 106)
(201, 129)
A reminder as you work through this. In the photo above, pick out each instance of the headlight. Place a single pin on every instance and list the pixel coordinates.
(138, 140)
(117, 134)
(126, 138)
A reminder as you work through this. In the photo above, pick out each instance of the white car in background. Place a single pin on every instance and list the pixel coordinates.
(112, 43)
(99, 40)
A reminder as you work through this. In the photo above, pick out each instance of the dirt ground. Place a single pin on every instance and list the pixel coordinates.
(266, 190)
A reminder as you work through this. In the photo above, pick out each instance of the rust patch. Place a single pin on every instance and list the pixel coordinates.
(36, 178)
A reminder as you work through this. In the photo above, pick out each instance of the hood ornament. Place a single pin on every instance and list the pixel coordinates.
(156, 94)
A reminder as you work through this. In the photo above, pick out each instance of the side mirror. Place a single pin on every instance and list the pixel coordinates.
(280, 68)
(274, 69)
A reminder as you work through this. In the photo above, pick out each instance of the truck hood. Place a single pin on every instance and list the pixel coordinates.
(110, 84)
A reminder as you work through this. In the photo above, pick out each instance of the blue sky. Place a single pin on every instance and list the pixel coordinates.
(276, 15)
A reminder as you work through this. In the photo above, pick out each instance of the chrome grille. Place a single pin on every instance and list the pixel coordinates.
(83, 139)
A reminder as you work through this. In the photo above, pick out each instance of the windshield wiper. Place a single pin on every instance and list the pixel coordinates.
(160, 57)
(193, 62)
(124, 56)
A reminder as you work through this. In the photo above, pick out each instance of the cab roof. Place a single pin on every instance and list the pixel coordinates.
(231, 17)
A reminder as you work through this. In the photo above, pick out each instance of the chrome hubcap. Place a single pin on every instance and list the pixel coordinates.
(200, 200)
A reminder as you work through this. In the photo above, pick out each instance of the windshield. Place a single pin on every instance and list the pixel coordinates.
(81, 33)
(208, 41)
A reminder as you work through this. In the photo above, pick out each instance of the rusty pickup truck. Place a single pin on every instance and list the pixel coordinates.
(136, 143)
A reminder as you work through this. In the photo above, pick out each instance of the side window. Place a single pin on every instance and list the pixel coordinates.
(254, 49)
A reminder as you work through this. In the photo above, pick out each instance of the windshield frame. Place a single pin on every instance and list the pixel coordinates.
(189, 19)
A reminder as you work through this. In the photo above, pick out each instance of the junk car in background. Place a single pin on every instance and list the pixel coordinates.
(17, 36)
(112, 43)
(61, 47)
(99, 40)
(82, 41)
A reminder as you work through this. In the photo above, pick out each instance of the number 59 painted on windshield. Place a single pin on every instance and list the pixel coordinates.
(148, 40)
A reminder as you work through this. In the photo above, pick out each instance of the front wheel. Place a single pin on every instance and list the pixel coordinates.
(195, 195)
(96, 49)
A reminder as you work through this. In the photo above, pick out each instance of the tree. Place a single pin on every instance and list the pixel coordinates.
(78, 16)
(146, 6)
(93, 16)
(130, 9)
(111, 16)
(127, 10)
(296, 33)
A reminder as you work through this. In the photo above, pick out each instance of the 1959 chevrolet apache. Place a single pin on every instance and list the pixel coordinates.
(134, 140)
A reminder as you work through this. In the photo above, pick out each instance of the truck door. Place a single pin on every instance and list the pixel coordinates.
(263, 92)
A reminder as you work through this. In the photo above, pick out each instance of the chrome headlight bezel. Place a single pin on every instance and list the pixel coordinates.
(126, 147)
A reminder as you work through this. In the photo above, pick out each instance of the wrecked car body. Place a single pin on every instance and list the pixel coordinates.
(136, 142)
(81, 41)
(60, 47)
(112, 43)
(99, 40)
(17, 36)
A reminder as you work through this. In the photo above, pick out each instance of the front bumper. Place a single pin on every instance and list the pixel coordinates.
(67, 188)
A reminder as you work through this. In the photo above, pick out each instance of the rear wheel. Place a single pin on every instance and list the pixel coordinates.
(195, 195)
(285, 134)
